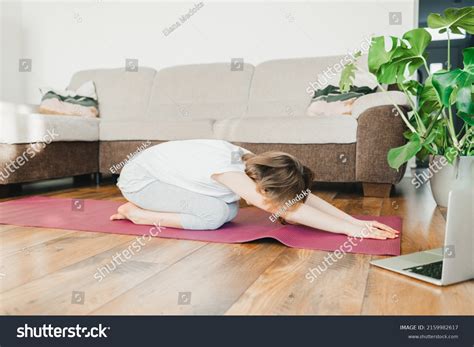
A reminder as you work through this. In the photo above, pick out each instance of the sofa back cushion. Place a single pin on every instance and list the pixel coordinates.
(122, 94)
(211, 91)
(282, 88)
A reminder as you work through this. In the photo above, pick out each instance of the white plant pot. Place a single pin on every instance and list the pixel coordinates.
(445, 175)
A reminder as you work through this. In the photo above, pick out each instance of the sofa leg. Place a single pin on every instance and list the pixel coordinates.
(98, 178)
(378, 190)
(115, 178)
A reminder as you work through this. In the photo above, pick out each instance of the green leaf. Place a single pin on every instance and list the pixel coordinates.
(377, 53)
(428, 101)
(424, 153)
(442, 136)
(456, 86)
(405, 56)
(453, 19)
(398, 156)
(468, 118)
(407, 134)
(411, 86)
(431, 136)
(465, 104)
(348, 74)
(330, 89)
(446, 82)
(450, 154)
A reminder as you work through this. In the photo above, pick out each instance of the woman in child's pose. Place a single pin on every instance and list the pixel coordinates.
(197, 184)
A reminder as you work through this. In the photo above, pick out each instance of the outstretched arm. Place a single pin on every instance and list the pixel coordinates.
(323, 206)
(309, 216)
(319, 204)
(304, 214)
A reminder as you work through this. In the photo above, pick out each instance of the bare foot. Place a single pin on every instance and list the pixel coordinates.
(117, 216)
(123, 211)
(134, 214)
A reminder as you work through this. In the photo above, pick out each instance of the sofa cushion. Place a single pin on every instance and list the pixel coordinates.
(282, 88)
(200, 91)
(16, 128)
(122, 94)
(157, 129)
(310, 130)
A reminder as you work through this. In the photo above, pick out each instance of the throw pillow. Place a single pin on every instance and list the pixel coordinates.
(330, 101)
(82, 102)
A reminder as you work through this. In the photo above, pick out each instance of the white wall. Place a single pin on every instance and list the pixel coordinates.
(13, 85)
(63, 37)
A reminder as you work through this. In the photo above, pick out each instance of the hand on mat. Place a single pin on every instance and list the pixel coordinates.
(374, 223)
(375, 230)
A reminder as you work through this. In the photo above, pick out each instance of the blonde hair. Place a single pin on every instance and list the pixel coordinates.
(279, 176)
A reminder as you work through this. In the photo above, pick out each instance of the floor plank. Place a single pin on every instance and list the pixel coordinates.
(39, 260)
(40, 268)
(98, 279)
(7, 227)
(19, 238)
(389, 293)
(206, 282)
(285, 289)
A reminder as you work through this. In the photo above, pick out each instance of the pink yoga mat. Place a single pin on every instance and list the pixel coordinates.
(250, 224)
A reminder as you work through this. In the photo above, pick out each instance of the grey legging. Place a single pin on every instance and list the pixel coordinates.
(196, 211)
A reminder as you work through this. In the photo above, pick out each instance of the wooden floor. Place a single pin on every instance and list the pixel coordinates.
(45, 271)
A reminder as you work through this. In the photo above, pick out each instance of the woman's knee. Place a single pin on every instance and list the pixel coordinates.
(214, 216)
(218, 215)
(131, 197)
(233, 210)
(192, 222)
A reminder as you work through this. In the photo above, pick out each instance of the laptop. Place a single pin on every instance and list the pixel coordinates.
(455, 261)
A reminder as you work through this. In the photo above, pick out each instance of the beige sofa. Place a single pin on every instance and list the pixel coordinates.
(259, 107)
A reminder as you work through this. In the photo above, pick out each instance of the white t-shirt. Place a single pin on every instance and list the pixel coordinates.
(188, 164)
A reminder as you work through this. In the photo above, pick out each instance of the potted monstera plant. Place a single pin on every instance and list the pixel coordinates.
(445, 94)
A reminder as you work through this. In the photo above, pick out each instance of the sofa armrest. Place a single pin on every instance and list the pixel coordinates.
(379, 129)
(365, 102)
